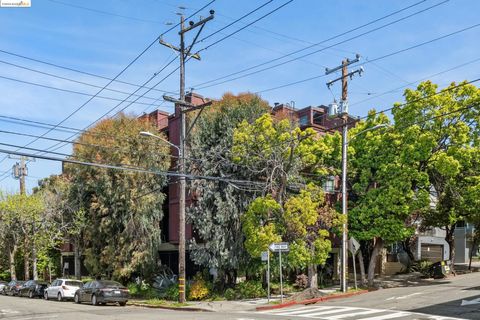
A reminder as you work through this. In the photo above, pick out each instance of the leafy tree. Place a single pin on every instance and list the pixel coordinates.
(21, 217)
(279, 152)
(448, 119)
(218, 206)
(122, 209)
(387, 187)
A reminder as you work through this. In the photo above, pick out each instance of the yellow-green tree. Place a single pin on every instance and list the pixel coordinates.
(290, 209)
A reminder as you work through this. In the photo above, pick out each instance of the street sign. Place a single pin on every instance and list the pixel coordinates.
(279, 247)
(353, 245)
(264, 255)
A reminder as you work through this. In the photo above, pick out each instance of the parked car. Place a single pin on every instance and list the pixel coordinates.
(62, 289)
(32, 289)
(11, 289)
(2, 285)
(102, 292)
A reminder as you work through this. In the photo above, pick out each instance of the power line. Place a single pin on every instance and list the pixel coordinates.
(203, 84)
(71, 91)
(75, 70)
(104, 12)
(247, 25)
(133, 169)
(413, 82)
(66, 79)
(235, 21)
(379, 58)
(405, 104)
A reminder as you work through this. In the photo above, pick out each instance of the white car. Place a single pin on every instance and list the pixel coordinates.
(62, 289)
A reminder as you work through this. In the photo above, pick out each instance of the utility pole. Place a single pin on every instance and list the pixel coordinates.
(20, 171)
(342, 113)
(184, 52)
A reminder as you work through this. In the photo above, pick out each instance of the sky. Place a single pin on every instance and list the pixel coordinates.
(75, 47)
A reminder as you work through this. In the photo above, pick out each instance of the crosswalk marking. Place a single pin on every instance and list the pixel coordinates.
(350, 313)
(387, 316)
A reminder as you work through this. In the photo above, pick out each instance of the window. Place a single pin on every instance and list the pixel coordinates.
(329, 185)
(303, 120)
(318, 118)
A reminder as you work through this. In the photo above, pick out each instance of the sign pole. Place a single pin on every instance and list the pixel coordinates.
(281, 278)
(268, 275)
(354, 270)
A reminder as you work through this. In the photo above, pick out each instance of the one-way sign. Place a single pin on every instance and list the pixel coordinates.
(279, 247)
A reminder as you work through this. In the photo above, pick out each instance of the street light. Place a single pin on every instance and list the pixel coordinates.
(344, 200)
(149, 134)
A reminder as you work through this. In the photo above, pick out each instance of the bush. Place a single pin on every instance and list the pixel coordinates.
(302, 281)
(199, 289)
(5, 276)
(425, 267)
(250, 289)
(142, 291)
(230, 294)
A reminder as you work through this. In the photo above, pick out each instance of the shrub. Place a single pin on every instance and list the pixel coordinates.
(425, 267)
(302, 281)
(250, 289)
(199, 289)
(230, 294)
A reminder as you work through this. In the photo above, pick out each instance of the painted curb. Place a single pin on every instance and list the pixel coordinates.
(311, 301)
(191, 309)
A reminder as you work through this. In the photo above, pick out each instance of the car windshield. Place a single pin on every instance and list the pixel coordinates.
(74, 283)
(110, 284)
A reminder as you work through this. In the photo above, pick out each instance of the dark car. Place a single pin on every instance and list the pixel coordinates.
(102, 292)
(11, 289)
(32, 289)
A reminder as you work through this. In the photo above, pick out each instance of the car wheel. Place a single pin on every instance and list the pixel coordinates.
(76, 298)
(45, 295)
(30, 294)
(94, 300)
(59, 297)
(123, 304)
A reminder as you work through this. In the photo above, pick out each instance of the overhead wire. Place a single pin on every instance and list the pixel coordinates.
(378, 58)
(72, 91)
(204, 84)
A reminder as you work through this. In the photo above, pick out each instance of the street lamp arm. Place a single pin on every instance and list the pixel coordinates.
(149, 134)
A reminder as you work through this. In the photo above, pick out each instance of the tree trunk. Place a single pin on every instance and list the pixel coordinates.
(77, 264)
(34, 262)
(11, 256)
(363, 279)
(26, 261)
(373, 260)
(450, 238)
(312, 276)
(474, 243)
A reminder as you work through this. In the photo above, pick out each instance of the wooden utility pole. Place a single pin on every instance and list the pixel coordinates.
(20, 171)
(183, 105)
(343, 114)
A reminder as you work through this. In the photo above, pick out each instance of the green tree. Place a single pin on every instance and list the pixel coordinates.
(122, 209)
(448, 120)
(280, 153)
(218, 206)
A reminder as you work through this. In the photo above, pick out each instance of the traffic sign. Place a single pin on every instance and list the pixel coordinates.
(279, 247)
(353, 245)
(264, 255)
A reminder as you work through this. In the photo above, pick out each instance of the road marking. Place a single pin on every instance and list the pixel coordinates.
(409, 295)
(339, 312)
(37, 317)
(8, 311)
(468, 302)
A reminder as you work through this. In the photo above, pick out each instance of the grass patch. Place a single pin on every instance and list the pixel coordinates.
(164, 303)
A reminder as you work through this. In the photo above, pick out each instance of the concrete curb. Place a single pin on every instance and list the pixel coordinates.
(191, 309)
(310, 301)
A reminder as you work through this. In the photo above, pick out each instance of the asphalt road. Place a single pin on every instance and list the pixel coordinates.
(454, 298)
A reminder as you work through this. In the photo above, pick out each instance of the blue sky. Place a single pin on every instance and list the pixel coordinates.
(102, 37)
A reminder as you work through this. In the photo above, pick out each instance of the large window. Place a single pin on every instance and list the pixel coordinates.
(318, 118)
(303, 120)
